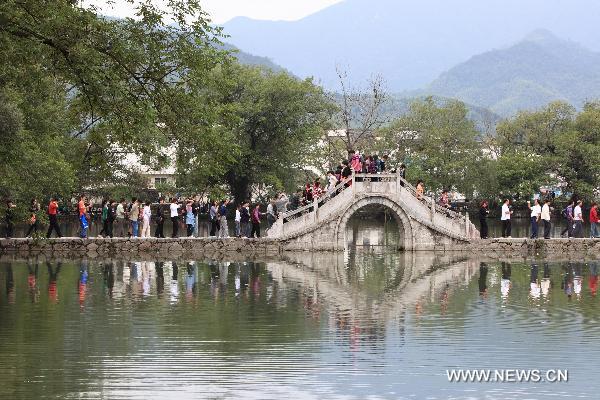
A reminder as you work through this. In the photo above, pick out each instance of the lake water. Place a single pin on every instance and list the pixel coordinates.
(367, 324)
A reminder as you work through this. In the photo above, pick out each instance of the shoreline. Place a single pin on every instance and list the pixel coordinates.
(195, 247)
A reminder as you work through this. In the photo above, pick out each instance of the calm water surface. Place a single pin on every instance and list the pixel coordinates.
(369, 324)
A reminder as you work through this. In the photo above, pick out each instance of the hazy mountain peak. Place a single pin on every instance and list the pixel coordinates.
(543, 37)
(528, 75)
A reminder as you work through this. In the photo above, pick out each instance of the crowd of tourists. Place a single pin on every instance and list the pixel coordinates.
(134, 218)
(541, 216)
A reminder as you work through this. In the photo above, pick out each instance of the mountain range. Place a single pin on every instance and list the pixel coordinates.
(409, 42)
(502, 55)
(528, 75)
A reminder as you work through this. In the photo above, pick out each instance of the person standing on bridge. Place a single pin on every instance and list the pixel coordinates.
(505, 218)
(271, 213)
(420, 190)
(331, 182)
(346, 174)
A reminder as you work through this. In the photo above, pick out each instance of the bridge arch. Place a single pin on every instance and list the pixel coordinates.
(402, 219)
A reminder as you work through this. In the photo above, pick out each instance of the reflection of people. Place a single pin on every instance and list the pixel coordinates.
(593, 281)
(109, 279)
(546, 281)
(83, 279)
(32, 281)
(483, 270)
(567, 283)
(577, 281)
(160, 278)
(505, 281)
(52, 279)
(535, 289)
(10, 284)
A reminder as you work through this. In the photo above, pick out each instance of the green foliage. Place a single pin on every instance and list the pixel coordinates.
(560, 147)
(267, 123)
(78, 91)
(438, 143)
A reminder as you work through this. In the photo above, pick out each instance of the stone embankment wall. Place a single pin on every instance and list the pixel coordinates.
(136, 247)
(252, 248)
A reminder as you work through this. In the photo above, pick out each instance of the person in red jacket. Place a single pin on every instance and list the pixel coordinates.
(53, 217)
(594, 221)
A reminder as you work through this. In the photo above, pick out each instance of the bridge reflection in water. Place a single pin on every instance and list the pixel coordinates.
(367, 322)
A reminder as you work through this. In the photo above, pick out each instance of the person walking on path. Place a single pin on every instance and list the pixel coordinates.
(146, 216)
(223, 228)
(238, 220)
(104, 230)
(34, 208)
(578, 220)
(256, 214)
(245, 220)
(505, 218)
(190, 218)
(545, 216)
(594, 233)
(483, 214)
(420, 189)
(536, 212)
(271, 218)
(160, 219)
(53, 218)
(110, 218)
(214, 219)
(83, 218)
(120, 219)
(568, 214)
(174, 212)
(134, 216)
(9, 216)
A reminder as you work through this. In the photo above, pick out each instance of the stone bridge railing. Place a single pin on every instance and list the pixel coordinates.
(424, 209)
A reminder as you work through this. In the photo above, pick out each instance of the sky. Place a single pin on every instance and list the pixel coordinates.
(222, 11)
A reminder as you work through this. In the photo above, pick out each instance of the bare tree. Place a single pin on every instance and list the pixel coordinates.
(361, 109)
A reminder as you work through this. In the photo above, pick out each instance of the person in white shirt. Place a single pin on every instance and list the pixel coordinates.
(545, 216)
(174, 208)
(578, 220)
(120, 218)
(505, 218)
(536, 211)
(271, 218)
(238, 220)
(331, 181)
(146, 214)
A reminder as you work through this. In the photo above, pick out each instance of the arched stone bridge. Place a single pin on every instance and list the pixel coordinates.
(423, 224)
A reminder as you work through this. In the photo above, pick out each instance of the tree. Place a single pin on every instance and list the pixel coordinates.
(361, 111)
(114, 86)
(563, 145)
(267, 123)
(438, 143)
